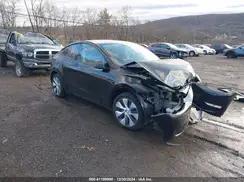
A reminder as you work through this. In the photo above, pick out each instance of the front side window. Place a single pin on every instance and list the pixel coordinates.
(71, 52)
(90, 55)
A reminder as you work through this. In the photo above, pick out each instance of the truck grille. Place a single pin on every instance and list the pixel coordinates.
(42, 55)
(45, 54)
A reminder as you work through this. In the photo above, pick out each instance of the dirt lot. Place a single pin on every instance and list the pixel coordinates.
(41, 135)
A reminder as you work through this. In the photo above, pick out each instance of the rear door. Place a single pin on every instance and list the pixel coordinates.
(211, 100)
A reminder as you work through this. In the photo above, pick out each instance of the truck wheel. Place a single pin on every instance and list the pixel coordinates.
(3, 59)
(20, 69)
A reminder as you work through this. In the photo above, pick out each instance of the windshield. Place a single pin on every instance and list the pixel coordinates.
(33, 38)
(126, 52)
(172, 46)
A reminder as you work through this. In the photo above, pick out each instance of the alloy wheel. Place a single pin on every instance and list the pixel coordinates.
(173, 56)
(56, 85)
(18, 69)
(126, 112)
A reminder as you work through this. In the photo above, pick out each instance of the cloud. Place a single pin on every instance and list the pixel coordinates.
(163, 6)
(236, 6)
(155, 9)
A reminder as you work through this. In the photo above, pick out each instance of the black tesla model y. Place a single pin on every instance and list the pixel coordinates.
(134, 84)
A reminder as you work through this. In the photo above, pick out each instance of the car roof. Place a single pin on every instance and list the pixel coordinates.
(106, 41)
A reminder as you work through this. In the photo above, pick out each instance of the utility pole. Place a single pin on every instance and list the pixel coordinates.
(32, 26)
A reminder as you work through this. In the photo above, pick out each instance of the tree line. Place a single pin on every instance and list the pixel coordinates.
(71, 24)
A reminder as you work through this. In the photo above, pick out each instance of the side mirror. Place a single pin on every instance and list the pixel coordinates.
(102, 66)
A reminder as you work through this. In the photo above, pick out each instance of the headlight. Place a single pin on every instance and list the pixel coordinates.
(177, 78)
(28, 54)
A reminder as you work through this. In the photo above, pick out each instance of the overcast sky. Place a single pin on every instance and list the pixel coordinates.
(158, 9)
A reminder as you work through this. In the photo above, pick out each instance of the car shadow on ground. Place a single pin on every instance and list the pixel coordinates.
(151, 132)
(10, 69)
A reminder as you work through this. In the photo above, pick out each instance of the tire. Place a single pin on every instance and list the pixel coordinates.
(173, 55)
(3, 60)
(192, 54)
(128, 112)
(205, 52)
(20, 69)
(57, 86)
(230, 55)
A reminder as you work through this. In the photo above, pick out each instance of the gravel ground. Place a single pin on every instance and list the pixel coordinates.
(42, 136)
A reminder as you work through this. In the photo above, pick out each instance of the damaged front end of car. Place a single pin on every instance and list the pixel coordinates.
(168, 90)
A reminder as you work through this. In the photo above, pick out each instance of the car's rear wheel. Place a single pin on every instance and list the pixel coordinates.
(3, 59)
(191, 53)
(128, 112)
(20, 69)
(57, 85)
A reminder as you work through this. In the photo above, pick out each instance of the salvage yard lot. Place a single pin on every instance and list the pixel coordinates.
(41, 135)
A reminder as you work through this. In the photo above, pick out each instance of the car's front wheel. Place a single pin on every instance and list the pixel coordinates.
(3, 59)
(20, 69)
(230, 55)
(191, 53)
(57, 85)
(128, 112)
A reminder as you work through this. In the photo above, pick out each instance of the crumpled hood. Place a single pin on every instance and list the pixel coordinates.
(165, 70)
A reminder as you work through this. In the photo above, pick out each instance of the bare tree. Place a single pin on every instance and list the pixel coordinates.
(90, 19)
(104, 23)
(8, 13)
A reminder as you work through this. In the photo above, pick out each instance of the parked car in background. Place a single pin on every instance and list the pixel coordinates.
(144, 45)
(192, 51)
(235, 52)
(135, 84)
(207, 50)
(220, 48)
(30, 51)
(167, 50)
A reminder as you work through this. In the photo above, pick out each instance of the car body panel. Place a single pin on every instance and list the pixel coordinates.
(237, 52)
(220, 48)
(211, 100)
(144, 80)
(162, 49)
